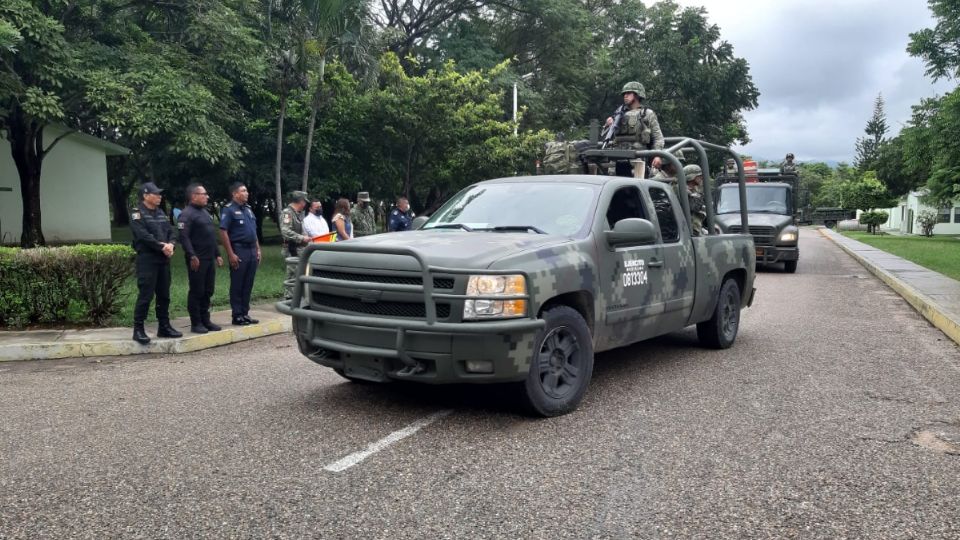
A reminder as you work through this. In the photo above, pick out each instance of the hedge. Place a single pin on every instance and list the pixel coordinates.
(44, 285)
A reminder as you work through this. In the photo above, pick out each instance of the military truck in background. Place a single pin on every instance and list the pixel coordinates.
(522, 280)
(773, 215)
(827, 216)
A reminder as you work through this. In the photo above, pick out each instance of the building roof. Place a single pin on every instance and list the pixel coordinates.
(109, 148)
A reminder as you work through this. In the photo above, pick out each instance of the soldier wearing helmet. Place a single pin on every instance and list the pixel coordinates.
(788, 166)
(698, 209)
(639, 122)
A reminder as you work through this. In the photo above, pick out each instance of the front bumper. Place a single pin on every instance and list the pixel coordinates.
(382, 348)
(775, 254)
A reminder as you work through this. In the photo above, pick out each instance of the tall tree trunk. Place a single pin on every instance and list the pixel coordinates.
(306, 155)
(26, 145)
(408, 179)
(119, 191)
(314, 105)
(277, 166)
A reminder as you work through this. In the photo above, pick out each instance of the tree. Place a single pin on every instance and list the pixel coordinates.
(868, 148)
(335, 27)
(151, 73)
(939, 47)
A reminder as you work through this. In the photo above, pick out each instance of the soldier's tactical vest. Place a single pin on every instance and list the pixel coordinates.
(634, 124)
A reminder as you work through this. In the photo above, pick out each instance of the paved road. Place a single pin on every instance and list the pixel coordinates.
(809, 427)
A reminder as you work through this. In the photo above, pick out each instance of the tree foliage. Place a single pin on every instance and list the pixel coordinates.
(869, 147)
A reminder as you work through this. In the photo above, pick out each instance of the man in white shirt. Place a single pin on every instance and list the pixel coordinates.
(314, 225)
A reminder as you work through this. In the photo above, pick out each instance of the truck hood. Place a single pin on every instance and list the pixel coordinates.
(777, 221)
(445, 248)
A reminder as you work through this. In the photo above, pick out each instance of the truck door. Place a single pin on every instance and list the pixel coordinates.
(626, 279)
(673, 260)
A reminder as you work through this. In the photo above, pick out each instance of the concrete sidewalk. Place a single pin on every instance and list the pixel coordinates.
(50, 344)
(933, 294)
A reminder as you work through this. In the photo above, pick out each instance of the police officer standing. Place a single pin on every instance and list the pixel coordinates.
(198, 236)
(238, 234)
(401, 217)
(291, 230)
(153, 242)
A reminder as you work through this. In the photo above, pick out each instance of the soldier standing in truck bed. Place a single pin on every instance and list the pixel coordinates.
(639, 127)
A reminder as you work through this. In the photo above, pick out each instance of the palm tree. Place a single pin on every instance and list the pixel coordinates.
(341, 28)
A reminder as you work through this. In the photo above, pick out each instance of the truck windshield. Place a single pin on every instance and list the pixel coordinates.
(760, 199)
(551, 208)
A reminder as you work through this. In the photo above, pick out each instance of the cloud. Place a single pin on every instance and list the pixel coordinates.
(819, 66)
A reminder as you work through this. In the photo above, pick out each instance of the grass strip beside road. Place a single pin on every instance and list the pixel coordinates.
(937, 253)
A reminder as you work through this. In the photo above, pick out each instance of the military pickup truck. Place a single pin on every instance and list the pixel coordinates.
(521, 280)
(772, 209)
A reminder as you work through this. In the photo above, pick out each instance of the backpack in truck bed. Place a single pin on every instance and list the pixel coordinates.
(563, 157)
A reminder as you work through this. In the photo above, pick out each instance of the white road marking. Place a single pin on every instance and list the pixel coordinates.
(397, 436)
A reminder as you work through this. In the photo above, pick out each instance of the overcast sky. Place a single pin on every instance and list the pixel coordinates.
(819, 65)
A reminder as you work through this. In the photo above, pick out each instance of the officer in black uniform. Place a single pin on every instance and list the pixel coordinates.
(238, 233)
(153, 242)
(198, 236)
(401, 218)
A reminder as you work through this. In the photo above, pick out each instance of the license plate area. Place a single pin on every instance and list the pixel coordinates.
(368, 368)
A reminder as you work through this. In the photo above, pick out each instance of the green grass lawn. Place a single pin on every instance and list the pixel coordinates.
(938, 253)
(268, 285)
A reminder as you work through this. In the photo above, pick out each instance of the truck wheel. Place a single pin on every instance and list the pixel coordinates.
(790, 266)
(830, 224)
(721, 330)
(562, 364)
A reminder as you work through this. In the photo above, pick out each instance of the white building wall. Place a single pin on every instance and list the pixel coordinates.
(74, 200)
(900, 217)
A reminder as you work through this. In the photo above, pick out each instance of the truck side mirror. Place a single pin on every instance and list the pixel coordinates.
(631, 232)
(418, 222)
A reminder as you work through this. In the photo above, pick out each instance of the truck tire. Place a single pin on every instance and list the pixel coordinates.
(830, 224)
(720, 331)
(790, 266)
(562, 364)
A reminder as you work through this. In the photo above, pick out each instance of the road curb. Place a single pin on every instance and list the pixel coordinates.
(123, 347)
(936, 314)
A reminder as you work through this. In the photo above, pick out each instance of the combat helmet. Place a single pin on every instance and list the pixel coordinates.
(636, 88)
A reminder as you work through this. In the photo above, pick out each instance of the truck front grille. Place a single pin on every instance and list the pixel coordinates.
(413, 310)
(762, 236)
(438, 282)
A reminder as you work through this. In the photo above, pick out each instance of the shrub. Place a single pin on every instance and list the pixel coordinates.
(873, 220)
(927, 219)
(38, 285)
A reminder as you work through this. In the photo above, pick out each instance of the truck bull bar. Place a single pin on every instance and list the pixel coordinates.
(294, 307)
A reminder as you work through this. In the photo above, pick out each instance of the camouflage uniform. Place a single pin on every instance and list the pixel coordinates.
(640, 122)
(364, 220)
(291, 230)
(788, 166)
(698, 208)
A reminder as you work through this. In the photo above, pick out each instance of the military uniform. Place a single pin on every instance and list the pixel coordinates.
(198, 236)
(639, 129)
(400, 221)
(788, 167)
(240, 225)
(364, 220)
(151, 229)
(698, 208)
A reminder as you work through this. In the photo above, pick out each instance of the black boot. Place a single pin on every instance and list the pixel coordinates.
(165, 330)
(139, 334)
(208, 324)
(196, 327)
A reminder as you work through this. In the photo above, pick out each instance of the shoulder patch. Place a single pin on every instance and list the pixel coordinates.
(286, 218)
(396, 213)
(135, 215)
(180, 225)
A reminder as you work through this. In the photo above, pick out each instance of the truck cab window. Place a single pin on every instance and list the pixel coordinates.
(669, 229)
(625, 204)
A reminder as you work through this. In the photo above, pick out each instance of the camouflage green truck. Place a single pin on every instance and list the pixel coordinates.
(520, 280)
(773, 216)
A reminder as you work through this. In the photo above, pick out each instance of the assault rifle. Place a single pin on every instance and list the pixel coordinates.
(611, 131)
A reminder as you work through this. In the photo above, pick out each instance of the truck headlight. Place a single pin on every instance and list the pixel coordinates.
(508, 287)
(788, 236)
